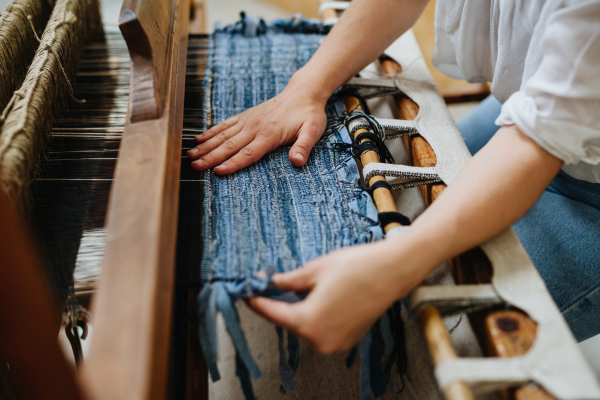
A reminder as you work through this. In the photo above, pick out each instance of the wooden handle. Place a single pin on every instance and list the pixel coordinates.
(145, 25)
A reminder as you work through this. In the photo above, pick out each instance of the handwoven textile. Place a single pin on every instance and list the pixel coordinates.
(271, 216)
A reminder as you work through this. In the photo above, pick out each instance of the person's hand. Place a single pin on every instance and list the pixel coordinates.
(296, 115)
(349, 290)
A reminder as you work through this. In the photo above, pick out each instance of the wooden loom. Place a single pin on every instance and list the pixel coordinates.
(141, 230)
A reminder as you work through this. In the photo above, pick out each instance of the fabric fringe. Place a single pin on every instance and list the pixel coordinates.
(381, 349)
(31, 111)
(252, 26)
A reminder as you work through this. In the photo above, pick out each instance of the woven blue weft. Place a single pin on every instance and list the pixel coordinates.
(271, 216)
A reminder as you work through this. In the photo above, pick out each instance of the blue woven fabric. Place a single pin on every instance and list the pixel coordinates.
(273, 216)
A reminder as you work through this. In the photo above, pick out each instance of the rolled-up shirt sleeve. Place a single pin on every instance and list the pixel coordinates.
(558, 106)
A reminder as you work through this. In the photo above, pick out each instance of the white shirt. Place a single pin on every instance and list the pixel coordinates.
(543, 59)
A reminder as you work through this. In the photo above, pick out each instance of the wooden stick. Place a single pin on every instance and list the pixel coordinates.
(384, 201)
(473, 266)
(441, 349)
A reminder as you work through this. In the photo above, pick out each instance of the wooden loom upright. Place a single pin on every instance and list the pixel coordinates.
(129, 354)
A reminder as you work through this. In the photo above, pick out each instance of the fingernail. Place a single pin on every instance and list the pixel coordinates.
(192, 152)
(198, 137)
(199, 161)
(300, 157)
(261, 274)
(219, 167)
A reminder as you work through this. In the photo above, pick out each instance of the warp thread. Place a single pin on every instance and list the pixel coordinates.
(43, 94)
(17, 43)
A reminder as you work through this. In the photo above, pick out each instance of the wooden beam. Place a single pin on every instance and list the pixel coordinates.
(129, 354)
(28, 337)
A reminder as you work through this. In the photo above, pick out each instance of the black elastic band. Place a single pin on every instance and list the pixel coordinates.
(387, 218)
(359, 149)
(375, 144)
(376, 185)
(366, 135)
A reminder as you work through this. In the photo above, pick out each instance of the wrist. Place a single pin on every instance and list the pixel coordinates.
(412, 257)
(310, 86)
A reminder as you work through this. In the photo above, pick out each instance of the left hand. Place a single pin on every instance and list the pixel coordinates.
(349, 290)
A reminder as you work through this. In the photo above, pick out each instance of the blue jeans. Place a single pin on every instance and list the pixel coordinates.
(561, 232)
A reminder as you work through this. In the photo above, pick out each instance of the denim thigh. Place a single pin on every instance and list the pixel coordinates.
(478, 127)
(561, 232)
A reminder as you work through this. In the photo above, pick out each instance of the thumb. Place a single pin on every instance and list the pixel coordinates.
(278, 312)
(309, 134)
(297, 280)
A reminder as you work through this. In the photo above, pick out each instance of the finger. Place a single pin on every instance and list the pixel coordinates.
(211, 144)
(222, 152)
(308, 136)
(297, 280)
(221, 126)
(250, 154)
(280, 313)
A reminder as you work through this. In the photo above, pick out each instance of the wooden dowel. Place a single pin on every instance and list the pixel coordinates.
(382, 197)
(329, 13)
(440, 347)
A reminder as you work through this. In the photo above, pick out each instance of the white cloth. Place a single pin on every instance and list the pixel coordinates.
(543, 59)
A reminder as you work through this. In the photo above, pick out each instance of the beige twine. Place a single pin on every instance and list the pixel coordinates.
(29, 115)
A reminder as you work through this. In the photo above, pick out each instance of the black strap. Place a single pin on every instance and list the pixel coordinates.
(387, 218)
(376, 185)
(359, 149)
(374, 143)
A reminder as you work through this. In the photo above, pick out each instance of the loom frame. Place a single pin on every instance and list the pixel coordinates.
(142, 212)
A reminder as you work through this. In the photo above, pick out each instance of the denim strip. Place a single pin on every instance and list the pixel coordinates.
(242, 372)
(285, 370)
(364, 348)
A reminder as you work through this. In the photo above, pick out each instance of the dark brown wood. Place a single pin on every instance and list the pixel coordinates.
(473, 266)
(129, 354)
(147, 26)
(28, 337)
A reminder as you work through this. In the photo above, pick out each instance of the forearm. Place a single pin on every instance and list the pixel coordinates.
(496, 188)
(363, 32)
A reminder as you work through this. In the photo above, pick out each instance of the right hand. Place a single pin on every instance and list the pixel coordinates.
(296, 115)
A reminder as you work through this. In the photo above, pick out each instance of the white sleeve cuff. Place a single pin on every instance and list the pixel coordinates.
(566, 140)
